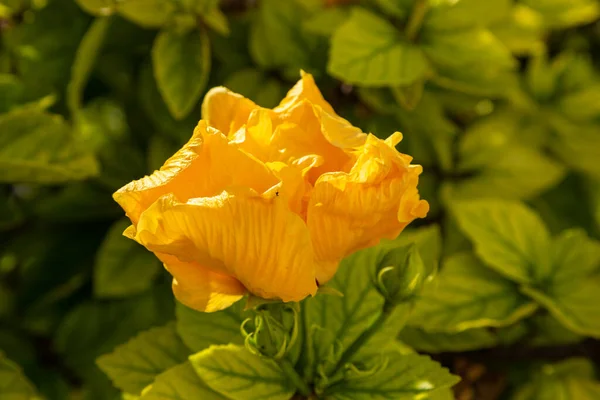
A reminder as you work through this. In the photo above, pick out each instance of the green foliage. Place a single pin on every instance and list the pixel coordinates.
(498, 100)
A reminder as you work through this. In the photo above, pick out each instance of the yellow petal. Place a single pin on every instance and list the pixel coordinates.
(258, 241)
(377, 199)
(205, 166)
(304, 89)
(200, 288)
(225, 110)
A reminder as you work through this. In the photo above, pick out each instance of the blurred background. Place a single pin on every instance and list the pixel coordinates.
(495, 98)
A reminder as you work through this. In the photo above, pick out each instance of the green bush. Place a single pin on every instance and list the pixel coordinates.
(498, 100)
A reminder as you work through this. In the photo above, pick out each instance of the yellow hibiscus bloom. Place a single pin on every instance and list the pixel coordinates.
(268, 201)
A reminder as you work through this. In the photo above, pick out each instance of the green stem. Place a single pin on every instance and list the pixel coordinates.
(295, 378)
(364, 337)
(416, 19)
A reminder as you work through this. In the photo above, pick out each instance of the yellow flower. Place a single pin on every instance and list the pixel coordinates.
(268, 201)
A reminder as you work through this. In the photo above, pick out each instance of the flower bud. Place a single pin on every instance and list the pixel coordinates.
(401, 274)
(275, 330)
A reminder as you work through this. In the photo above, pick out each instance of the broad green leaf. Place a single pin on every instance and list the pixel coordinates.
(82, 67)
(276, 38)
(181, 65)
(519, 172)
(460, 14)
(467, 295)
(396, 8)
(180, 383)
(368, 50)
(467, 48)
(565, 13)
(582, 105)
(507, 235)
(199, 330)
(99, 8)
(438, 342)
(123, 267)
(573, 303)
(325, 22)
(522, 31)
(92, 329)
(147, 13)
(38, 147)
(548, 331)
(237, 374)
(13, 383)
(574, 256)
(134, 365)
(570, 379)
(405, 377)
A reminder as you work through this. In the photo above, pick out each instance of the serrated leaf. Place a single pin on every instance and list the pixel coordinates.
(574, 256)
(508, 237)
(455, 15)
(181, 65)
(237, 374)
(38, 147)
(13, 383)
(573, 303)
(88, 50)
(571, 379)
(134, 365)
(123, 267)
(199, 330)
(405, 377)
(180, 383)
(468, 295)
(369, 51)
(438, 342)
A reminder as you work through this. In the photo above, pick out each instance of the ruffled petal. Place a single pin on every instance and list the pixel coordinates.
(259, 241)
(200, 288)
(204, 167)
(225, 110)
(304, 89)
(377, 199)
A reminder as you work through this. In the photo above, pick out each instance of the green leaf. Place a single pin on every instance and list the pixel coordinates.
(582, 105)
(82, 67)
(134, 365)
(396, 8)
(215, 19)
(180, 383)
(325, 22)
(467, 48)
(438, 342)
(578, 145)
(519, 172)
(147, 13)
(368, 50)
(572, 302)
(199, 330)
(99, 8)
(468, 295)
(13, 383)
(570, 379)
(276, 37)
(508, 237)
(405, 377)
(574, 256)
(237, 374)
(181, 67)
(123, 267)
(428, 241)
(565, 13)
(38, 147)
(548, 331)
(522, 31)
(461, 14)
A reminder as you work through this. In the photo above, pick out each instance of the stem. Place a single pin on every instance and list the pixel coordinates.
(290, 372)
(416, 19)
(364, 337)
